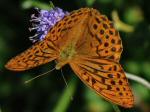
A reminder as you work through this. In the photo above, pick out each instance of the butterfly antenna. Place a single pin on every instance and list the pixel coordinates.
(39, 76)
(71, 97)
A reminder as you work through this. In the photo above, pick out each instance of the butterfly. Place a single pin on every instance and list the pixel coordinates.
(87, 41)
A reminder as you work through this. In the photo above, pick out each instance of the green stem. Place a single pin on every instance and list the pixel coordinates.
(51, 4)
(66, 97)
(119, 25)
(116, 108)
(138, 79)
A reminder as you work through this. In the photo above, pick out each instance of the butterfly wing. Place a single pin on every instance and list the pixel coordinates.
(105, 77)
(62, 31)
(48, 49)
(97, 60)
(100, 38)
(40, 53)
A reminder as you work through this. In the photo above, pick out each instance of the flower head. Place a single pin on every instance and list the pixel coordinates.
(45, 20)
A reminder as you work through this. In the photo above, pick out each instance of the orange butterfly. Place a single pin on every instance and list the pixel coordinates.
(88, 42)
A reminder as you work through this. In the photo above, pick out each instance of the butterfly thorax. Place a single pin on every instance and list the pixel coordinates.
(66, 55)
(69, 50)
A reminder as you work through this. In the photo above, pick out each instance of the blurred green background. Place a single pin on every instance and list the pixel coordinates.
(49, 93)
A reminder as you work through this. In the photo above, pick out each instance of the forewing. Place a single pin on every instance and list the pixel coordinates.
(40, 53)
(100, 39)
(48, 49)
(59, 33)
(105, 77)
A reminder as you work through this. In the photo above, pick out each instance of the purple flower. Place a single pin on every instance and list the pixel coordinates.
(45, 20)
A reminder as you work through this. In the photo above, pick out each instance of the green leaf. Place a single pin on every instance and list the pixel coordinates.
(29, 4)
(90, 2)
